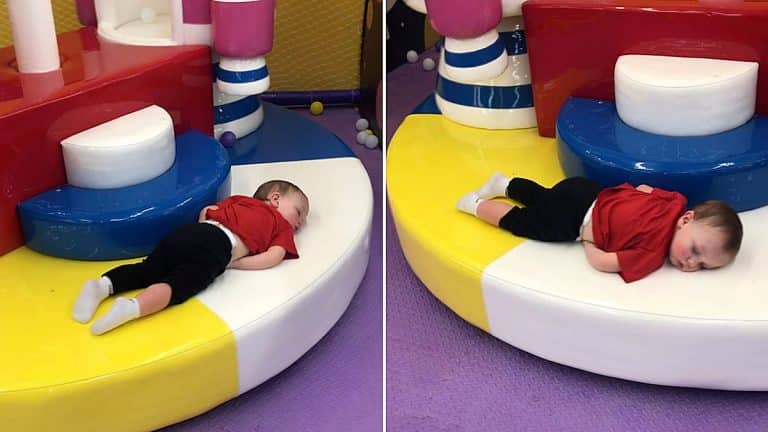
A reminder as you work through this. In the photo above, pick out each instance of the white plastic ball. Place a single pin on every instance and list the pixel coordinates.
(371, 141)
(361, 124)
(148, 15)
(428, 64)
(361, 137)
(412, 56)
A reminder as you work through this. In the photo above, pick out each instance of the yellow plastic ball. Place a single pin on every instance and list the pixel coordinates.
(370, 132)
(316, 108)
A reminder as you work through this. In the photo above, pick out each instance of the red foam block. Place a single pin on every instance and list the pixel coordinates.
(97, 83)
(573, 45)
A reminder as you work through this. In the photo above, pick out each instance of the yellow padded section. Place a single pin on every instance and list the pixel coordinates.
(431, 163)
(316, 47)
(148, 373)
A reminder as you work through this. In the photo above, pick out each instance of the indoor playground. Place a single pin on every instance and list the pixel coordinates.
(120, 120)
(670, 93)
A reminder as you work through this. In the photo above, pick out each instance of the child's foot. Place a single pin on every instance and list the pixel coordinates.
(92, 294)
(496, 186)
(469, 202)
(122, 311)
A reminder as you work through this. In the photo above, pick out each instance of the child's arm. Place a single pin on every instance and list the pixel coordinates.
(600, 259)
(202, 216)
(269, 258)
(644, 188)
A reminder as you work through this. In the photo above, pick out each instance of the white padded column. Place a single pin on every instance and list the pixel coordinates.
(125, 151)
(681, 96)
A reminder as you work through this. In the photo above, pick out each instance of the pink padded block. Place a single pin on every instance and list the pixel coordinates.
(97, 83)
(464, 19)
(573, 45)
(243, 29)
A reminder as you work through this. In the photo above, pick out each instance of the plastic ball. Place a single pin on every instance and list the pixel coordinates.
(148, 15)
(371, 141)
(412, 56)
(316, 108)
(228, 139)
(361, 124)
(428, 64)
(361, 136)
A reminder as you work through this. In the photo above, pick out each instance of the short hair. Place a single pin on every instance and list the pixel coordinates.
(281, 186)
(718, 214)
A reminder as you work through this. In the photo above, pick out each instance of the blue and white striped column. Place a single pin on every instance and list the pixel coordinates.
(502, 102)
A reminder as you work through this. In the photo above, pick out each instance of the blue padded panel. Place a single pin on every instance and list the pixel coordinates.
(108, 224)
(287, 136)
(732, 166)
(428, 106)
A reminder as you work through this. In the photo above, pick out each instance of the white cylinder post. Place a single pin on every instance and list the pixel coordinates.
(34, 35)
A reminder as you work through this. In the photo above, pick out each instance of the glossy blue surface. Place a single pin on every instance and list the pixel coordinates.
(235, 110)
(428, 106)
(107, 224)
(287, 136)
(732, 166)
(475, 58)
(485, 96)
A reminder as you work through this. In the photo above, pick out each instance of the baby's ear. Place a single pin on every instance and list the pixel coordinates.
(274, 198)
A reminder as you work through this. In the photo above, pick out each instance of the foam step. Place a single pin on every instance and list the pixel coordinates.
(683, 96)
(732, 166)
(128, 150)
(106, 224)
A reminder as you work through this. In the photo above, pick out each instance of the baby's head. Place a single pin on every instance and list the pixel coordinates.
(287, 199)
(706, 237)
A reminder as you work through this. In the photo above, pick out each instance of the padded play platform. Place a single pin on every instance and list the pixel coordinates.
(703, 329)
(732, 165)
(244, 329)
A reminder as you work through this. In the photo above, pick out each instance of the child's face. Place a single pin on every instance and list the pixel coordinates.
(696, 246)
(294, 208)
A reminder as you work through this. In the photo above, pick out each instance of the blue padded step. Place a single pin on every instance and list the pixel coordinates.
(287, 136)
(108, 224)
(732, 166)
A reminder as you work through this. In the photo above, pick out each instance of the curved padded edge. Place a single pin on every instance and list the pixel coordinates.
(730, 166)
(333, 249)
(681, 96)
(128, 150)
(285, 136)
(92, 224)
(646, 331)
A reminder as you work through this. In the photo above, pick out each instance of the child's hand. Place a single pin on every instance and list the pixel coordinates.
(202, 217)
(269, 258)
(644, 188)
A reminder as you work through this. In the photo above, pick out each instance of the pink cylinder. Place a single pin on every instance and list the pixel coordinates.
(464, 19)
(197, 11)
(86, 12)
(243, 29)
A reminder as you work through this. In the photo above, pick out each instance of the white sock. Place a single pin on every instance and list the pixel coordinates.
(93, 293)
(469, 202)
(496, 186)
(124, 310)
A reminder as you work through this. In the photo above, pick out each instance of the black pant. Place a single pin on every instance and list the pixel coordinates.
(188, 259)
(552, 215)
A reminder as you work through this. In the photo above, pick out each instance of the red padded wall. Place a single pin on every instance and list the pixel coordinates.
(573, 45)
(99, 81)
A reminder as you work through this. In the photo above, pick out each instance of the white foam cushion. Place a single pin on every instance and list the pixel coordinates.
(680, 96)
(125, 151)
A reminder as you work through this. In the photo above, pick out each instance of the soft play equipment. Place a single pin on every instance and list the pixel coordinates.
(698, 329)
(484, 78)
(100, 166)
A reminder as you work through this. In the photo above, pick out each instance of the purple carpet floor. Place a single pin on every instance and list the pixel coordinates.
(337, 385)
(445, 375)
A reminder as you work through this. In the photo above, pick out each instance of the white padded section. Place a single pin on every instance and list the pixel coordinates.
(279, 313)
(511, 8)
(417, 5)
(680, 96)
(125, 151)
(705, 329)
(239, 65)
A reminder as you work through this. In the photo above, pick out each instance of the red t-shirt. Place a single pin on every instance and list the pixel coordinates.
(257, 223)
(638, 226)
